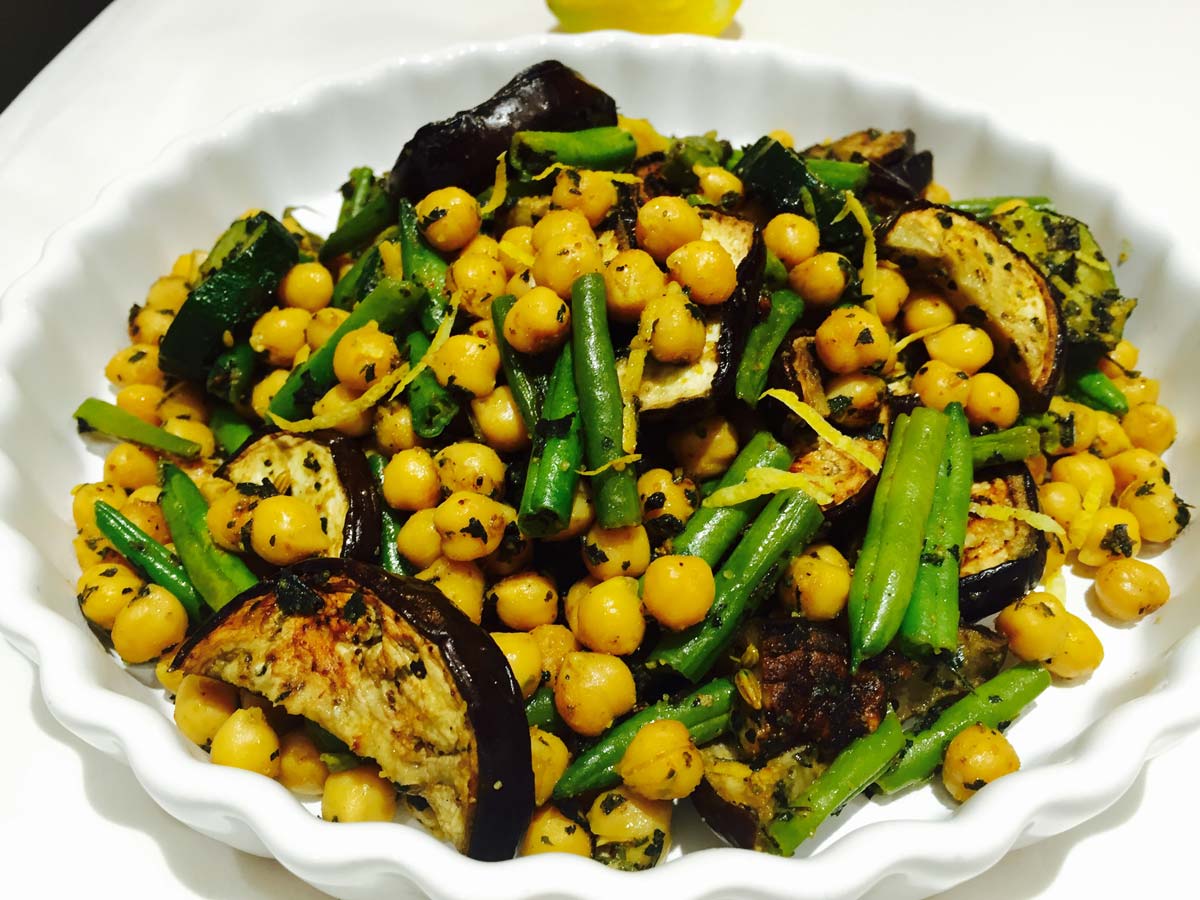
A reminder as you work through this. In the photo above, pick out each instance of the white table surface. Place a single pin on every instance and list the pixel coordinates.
(1109, 83)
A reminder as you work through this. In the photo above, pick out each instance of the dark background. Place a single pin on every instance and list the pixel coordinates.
(31, 34)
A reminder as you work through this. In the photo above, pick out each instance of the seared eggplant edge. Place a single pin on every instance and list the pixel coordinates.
(391, 667)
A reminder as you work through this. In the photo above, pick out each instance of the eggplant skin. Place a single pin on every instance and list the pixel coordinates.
(1001, 561)
(991, 284)
(391, 667)
(462, 150)
(326, 467)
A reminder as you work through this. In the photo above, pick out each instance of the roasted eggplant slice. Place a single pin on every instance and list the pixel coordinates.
(795, 368)
(389, 666)
(462, 150)
(853, 483)
(991, 284)
(1001, 560)
(325, 468)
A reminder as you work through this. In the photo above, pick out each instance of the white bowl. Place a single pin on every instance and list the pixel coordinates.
(1081, 747)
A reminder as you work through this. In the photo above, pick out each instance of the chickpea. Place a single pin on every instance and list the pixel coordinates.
(583, 514)
(467, 362)
(538, 322)
(520, 284)
(184, 401)
(991, 401)
(142, 401)
(1135, 465)
(1112, 534)
(554, 642)
(935, 193)
(639, 828)
(411, 480)
(632, 280)
(558, 224)
(477, 278)
(360, 794)
(550, 759)
(524, 658)
(461, 582)
(1080, 655)
(147, 325)
(500, 420)
(664, 224)
(792, 238)
(851, 339)
(169, 678)
(301, 768)
(471, 525)
(678, 591)
(483, 244)
(285, 530)
(520, 239)
(552, 832)
(265, 390)
(1160, 514)
(418, 540)
(855, 399)
(706, 449)
(591, 690)
(891, 290)
(85, 497)
(147, 515)
(201, 707)
(1150, 427)
(514, 553)
(191, 430)
(924, 310)
(136, 364)
(821, 280)
(1128, 589)
(228, 518)
(705, 270)
(590, 193)
(977, 755)
(718, 185)
(525, 600)
(679, 332)
(609, 552)
(610, 617)
(1060, 500)
(663, 495)
(574, 597)
(280, 333)
(104, 589)
(1082, 424)
(92, 548)
(363, 356)
(1082, 470)
(167, 292)
(469, 466)
(322, 325)
(564, 259)
(1035, 626)
(394, 427)
(1139, 390)
(246, 741)
(130, 466)
(661, 762)
(1111, 438)
(449, 218)
(335, 402)
(781, 136)
(817, 583)
(1120, 360)
(307, 286)
(938, 385)
(484, 329)
(964, 347)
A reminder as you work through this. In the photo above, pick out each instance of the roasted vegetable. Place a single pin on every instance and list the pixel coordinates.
(1002, 559)
(462, 150)
(232, 374)
(1010, 445)
(895, 170)
(610, 149)
(852, 481)
(557, 455)
(1081, 279)
(106, 418)
(795, 369)
(765, 338)
(327, 470)
(389, 666)
(992, 286)
(238, 279)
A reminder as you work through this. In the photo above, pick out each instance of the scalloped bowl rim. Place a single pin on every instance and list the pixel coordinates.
(261, 816)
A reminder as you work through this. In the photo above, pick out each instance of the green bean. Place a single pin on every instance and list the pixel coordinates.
(527, 387)
(540, 711)
(786, 308)
(840, 175)
(553, 472)
(994, 703)
(983, 207)
(425, 266)
(705, 712)
(931, 622)
(376, 213)
(433, 407)
(1093, 388)
(614, 490)
(98, 415)
(355, 192)
(389, 526)
(607, 148)
(1010, 445)
(230, 429)
(232, 374)
(852, 772)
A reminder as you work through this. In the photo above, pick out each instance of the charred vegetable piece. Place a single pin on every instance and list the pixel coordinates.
(705, 712)
(433, 407)
(389, 666)
(232, 373)
(994, 703)
(883, 147)
(852, 481)
(1081, 279)
(855, 769)
(556, 456)
(685, 153)
(217, 576)
(895, 170)
(992, 285)
(390, 557)
(98, 415)
(229, 429)
(1010, 445)
(786, 308)
(325, 469)
(238, 279)
(1002, 560)
(150, 557)
(795, 369)
(462, 150)
(609, 149)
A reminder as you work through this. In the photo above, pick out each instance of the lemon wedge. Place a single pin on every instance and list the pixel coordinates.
(646, 16)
